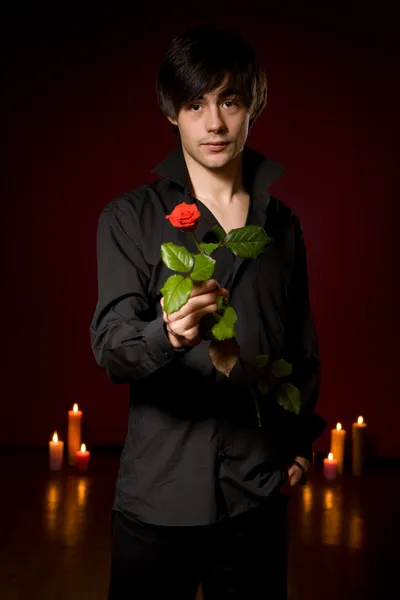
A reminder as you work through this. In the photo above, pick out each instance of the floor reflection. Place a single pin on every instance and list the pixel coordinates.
(66, 509)
(340, 524)
(307, 516)
(37, 564)
(332, 516)
(82, 490)
(307, 494)
(52, 508)
(355, 531)
(75, 510)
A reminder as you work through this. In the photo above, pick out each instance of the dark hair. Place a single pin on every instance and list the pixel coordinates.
(198, 61)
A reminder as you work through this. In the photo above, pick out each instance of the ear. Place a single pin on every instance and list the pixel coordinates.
(172, 120)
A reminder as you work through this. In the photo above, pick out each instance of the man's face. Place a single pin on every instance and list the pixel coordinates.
(214, 128)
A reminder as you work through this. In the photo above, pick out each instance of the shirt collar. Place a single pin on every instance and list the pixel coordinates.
(259, 170)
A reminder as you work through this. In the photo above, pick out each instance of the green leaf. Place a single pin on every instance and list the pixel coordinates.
(218, 233)
(281, 368)
(256, 367)
(220, 303)
(209, 247)
(224, 329)
(177, 258)
(203, 267)
(288, 397)
(176, 291)
(247, 242)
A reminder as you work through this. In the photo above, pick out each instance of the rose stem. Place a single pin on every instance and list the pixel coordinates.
(197, 243)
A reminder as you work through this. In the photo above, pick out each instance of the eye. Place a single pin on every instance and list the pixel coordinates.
(230, 103)
(195, 107)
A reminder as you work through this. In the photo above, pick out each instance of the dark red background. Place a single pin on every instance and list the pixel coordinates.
(82, 125)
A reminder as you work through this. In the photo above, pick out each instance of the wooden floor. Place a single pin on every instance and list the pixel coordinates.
(55, 532)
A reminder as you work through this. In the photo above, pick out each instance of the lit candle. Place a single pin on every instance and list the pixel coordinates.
(74, 433)
(330, 467)
(337, 445)
(359, 431)
(56, 453)
(82, 458)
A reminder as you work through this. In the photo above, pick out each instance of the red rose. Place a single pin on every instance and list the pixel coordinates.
(184, 216)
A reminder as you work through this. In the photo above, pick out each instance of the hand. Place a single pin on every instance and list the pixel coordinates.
(295, 474)
(183, 325)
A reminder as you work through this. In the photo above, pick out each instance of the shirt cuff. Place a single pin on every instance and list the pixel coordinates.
(158, 343)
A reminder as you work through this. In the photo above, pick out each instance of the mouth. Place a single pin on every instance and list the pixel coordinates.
(216, 146)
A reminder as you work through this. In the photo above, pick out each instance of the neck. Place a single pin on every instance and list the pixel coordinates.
(215, 186)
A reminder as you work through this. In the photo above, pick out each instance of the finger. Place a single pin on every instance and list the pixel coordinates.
(295, 477)
(183, 326)
(199, 301)
(295, 480)
(222, 292)
(192, 336)
(195, 304)
(178, 338)
(186, 323)
(303, 461)
(203, 287)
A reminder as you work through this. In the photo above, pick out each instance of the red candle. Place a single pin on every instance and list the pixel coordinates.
(330, 467)
(82, 458)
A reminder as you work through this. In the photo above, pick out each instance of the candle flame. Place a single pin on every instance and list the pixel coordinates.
(75, 408)
(330, 456)
(83, 447)
(55, 437)
(360, 420)
(339, 426)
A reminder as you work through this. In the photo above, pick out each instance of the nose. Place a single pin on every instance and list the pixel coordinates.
(214, 120)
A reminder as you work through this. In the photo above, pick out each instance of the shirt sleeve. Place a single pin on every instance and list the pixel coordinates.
(128, 340)
(303, 352)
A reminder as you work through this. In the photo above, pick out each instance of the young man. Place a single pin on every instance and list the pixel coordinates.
(199, 490)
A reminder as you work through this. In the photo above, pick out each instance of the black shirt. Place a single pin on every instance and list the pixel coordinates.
(193, 451)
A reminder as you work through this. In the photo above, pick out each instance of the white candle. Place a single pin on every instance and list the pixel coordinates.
(74, 433)
(358, 454)
(56, 453)
(337, 445)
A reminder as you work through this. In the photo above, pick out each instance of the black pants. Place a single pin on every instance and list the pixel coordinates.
(241, 558)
